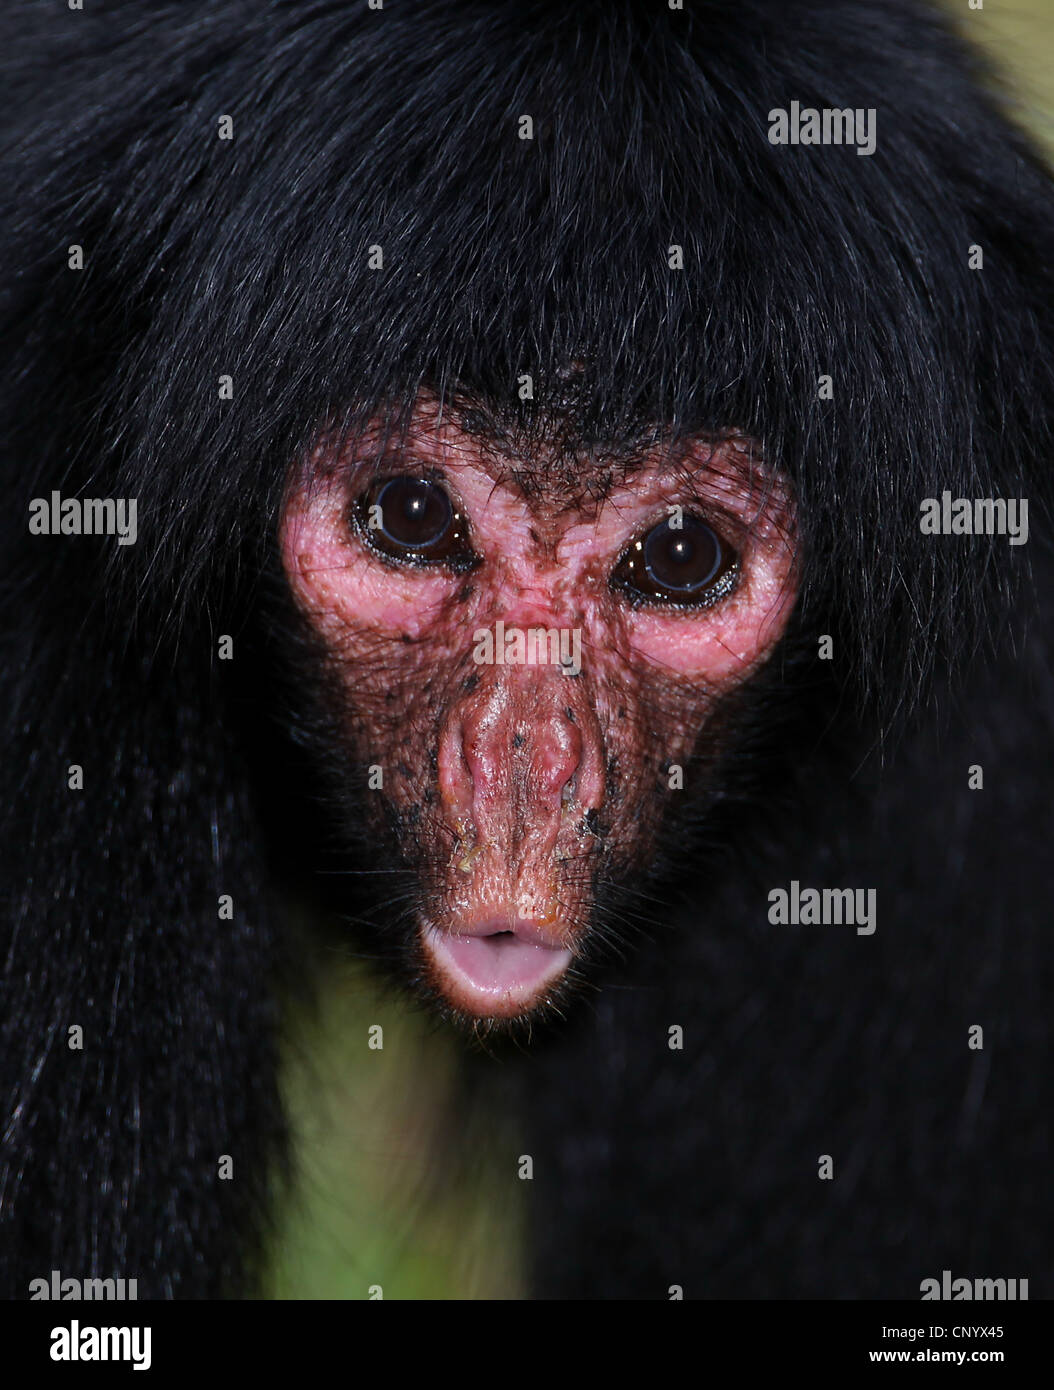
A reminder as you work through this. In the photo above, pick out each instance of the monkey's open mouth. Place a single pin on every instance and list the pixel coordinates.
(495, 970)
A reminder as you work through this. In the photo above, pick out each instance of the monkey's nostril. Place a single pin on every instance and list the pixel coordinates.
(557, 757)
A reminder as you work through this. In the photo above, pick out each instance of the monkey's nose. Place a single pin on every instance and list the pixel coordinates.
(507, 757)
(544, 749)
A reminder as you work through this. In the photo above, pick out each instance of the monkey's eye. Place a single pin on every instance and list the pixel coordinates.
(413, 520)
(687, 565)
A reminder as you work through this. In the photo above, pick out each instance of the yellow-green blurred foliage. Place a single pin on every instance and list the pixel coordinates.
(404, 1181)
(1017, 36)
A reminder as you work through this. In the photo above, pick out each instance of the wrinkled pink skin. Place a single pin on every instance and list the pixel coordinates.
(524, 779)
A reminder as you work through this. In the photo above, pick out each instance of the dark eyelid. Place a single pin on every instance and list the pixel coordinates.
(729, 525)
(395, 463)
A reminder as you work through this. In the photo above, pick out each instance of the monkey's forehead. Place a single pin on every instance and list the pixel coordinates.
(548, 460)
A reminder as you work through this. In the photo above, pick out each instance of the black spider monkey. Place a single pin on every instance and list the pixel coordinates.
(598, 240)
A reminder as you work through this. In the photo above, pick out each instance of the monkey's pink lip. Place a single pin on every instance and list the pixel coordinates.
(494, 969)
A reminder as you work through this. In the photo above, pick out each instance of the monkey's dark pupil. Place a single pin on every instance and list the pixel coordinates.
(415, 513)
(683, 559)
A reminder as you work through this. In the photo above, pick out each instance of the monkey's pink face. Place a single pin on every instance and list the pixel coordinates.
(528, 656)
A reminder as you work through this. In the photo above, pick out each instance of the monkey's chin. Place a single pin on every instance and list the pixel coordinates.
(493, 971)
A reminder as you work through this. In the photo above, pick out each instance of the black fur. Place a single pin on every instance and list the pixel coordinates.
(249, 258)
